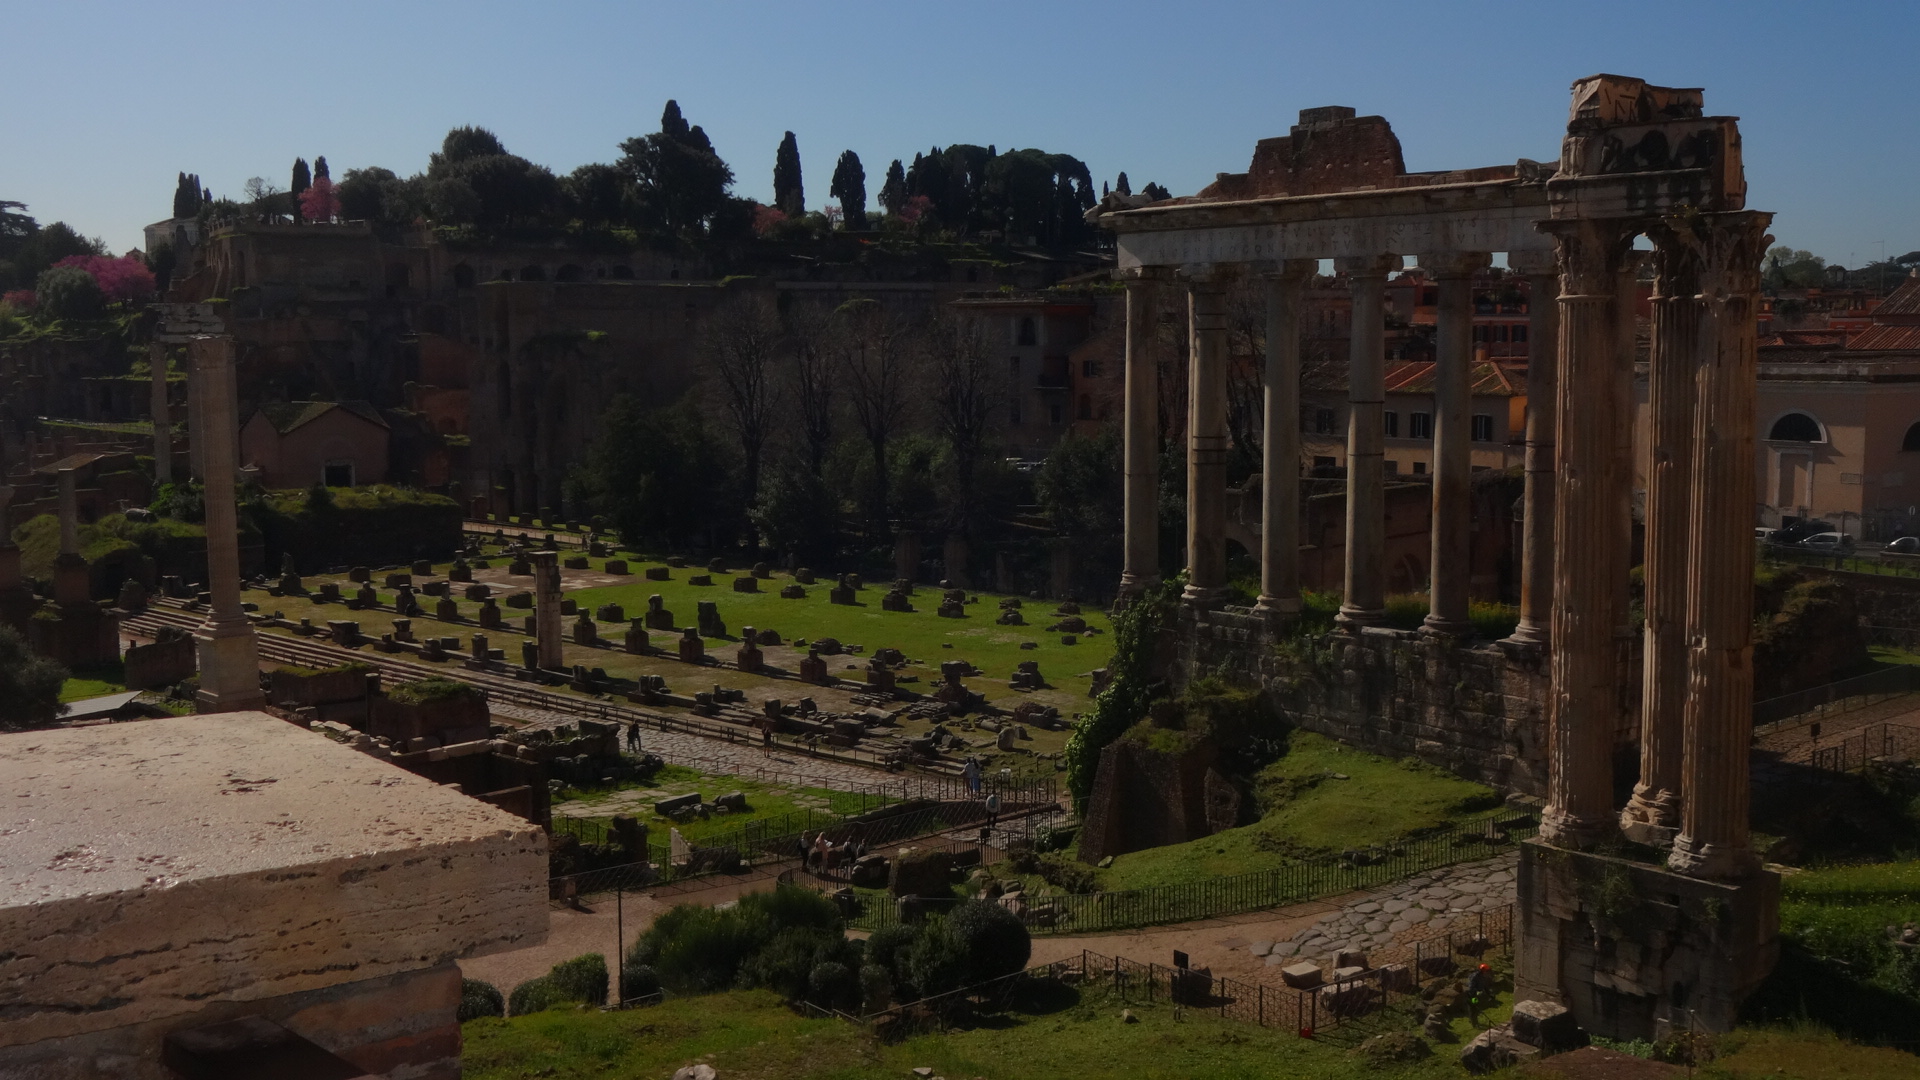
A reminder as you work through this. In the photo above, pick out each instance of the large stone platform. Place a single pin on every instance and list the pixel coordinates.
(175, 873)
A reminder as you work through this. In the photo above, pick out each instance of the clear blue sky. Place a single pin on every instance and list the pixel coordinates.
(107, 101)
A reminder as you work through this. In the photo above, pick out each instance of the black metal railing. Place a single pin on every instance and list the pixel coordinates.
(1854, 751)
(1838, 696)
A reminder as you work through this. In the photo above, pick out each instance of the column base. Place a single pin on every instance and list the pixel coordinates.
(1355, 617)
(1132, 584)
(1564, 830)
(1652, 817)
(1204, 596)
(1434, 626)
(1706, 859)
(1278, 607)
(229, 667)
(1531, 634)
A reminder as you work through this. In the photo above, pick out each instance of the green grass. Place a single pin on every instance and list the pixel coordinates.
(764, 801)
(750, 1035)
(921, 634)
(78, 689)
(1842, 911)
(1308, 812)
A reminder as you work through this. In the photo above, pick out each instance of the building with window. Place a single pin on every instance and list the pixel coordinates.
(1061, 363)
(297, 444)
(1498, 416)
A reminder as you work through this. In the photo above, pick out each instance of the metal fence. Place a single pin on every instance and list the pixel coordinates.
(1389, 979)
(1306, 880)
(1838, 696)
(1854, 751)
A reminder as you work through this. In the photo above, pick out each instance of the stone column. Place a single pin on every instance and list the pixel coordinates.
(1713, 839)
(1207, 441)
(546, 608)
(1366, 603)
(1280, 467)
(1543, 377)
(1653, 815)
(162, 437)
(70, 581)
(1450, 561)
(1588, 554)
(1141, 436)
(229, 656)
(9, 551)
(196, 424)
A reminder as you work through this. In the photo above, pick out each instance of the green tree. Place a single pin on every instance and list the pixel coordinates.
(797, 515)
(320, 171)
(29, 685)
(1787, 268)
(850, 187)
(682, 182)
(380, 198)
(658, 474)
(302, 180)
(187, 198)
(599, 195)
(68, 292)
(473, 180)
(788, 193)
(893, 190)
(1081, 488)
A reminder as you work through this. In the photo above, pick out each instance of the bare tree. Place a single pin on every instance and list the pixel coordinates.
(964, 389)
(811, 337)
(1246, 366)
(742, 346)
(873, 361)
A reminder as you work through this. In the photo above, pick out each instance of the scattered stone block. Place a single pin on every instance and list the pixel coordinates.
(610, 613)
(490, 615)
(746, 584)
(585, 632)
(520, 600)
(1547, 1025)
(658, 573)
(813, 669)
(671, 806)
(616, 566)
(700, 579)
(360, 575)
(734, 802)
(479, 590)
(638, 641)
(1353, 958)
(804, 576)
(461, 571)
(1302, 976)
(657, 616)
(793, 592)
(447, 610)
(762, 570)
(396, 580)
(693, 650)
(709, 622)
(577, 562)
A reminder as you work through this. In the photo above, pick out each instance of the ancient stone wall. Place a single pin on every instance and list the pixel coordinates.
(1146, 797)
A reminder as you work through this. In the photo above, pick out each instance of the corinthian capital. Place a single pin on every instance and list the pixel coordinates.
(1591, 253)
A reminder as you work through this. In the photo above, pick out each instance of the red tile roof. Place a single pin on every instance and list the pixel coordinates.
(1883, 338)
(1489, 379)
(1905, 299)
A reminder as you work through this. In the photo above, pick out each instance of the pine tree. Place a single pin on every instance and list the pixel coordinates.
(788, 194)
(850, 187)
(302, 180)
(893, 190)
(1122, 186)
(320, 168)
(186, 198)
(672, 124)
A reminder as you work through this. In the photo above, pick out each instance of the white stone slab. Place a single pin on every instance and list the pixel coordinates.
(149, 867)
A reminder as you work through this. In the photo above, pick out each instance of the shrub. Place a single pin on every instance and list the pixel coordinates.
(935, 963)
(876, 987)
(994, 940)
(786, 962)
(833, 985)
(534, 995)
(29, 685)
(638, 981)
(793, 905)
(1069, 874)
(479, 999)
(887, 945)
(431, 691)
(1136, 637)
(702, 952)
(582, 979)
(68, 292)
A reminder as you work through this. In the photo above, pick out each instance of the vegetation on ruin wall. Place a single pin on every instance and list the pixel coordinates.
(432, 692)
(109, 540)
(380, 525)
(1136, 641)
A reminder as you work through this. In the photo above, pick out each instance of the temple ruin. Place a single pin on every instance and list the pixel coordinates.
(1545, 710)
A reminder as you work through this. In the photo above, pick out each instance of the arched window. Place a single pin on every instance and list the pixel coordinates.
(1027, 334)
(1912, 441)
(1797, 427)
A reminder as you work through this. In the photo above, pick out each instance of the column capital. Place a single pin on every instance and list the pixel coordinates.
(1368, 266)
(1143, 275)
(1591, 253)
(1455, 264)
(1733, 247)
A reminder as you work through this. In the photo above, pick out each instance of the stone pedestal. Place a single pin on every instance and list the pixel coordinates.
(1636, 950)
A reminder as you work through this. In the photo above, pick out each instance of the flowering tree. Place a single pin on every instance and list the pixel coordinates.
(320, 202)
(18, 300)
(120, 279)
(914, 209)
(765, 218)
(833, 214)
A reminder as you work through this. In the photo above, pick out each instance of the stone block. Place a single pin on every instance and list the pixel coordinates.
(423, 567)
(610, 613)
(658, 573)
(577, 562)
(569, 606)
(520, 600)
(708, 619)
(479, 590)
(1353, 958)
(281, 887)
(1397, 978)
(700, 579)
(746, 584)
(671, 806)
(1546, 1024)
(762, 570)
(803, 575)
(840, 594)
(617, 566)
(360, 575)
(394, 581)
(638, 642)
(920, 872)
(1301, 976)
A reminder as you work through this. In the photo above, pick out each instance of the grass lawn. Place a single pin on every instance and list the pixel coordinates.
(1309, 812)
(764, 801)
(1806, 1051)
(93, 682)
(1842, 911)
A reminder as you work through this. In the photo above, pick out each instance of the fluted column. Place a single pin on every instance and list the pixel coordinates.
(1653, 815)
(1714, 840)
(1141, 436)
(196, 423)
(162, 436)
(1450, 562)
(229, 657)
(1589, 556)
(1365, 603)
(1207, 441)
(1543, 379)
(1280, 465)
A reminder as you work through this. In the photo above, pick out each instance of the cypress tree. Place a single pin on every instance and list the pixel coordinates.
(893, 190)
(850, 187)
(185, 199)
(788, 194)
(1122, 186)
(320, 168)
(302, 180)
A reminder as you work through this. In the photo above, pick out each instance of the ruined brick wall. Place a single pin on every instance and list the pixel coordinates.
(1145, 798)
(1478, 712)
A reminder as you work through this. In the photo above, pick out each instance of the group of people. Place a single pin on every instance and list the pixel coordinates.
(821, 854)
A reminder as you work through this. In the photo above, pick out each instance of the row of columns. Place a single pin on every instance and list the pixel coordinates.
(1207, 439)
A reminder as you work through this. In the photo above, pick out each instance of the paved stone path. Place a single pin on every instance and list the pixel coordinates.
(1419, 906)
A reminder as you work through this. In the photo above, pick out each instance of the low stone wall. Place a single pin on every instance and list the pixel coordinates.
(1477, 710)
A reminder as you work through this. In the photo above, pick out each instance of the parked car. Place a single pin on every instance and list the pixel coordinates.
(1906, 545)
(1764, 534)
(1829, 542)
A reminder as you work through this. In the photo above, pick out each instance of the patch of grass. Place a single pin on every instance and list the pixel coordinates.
(764, 801)
(1809, 1051)
(1307, 812)
(78, 689)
